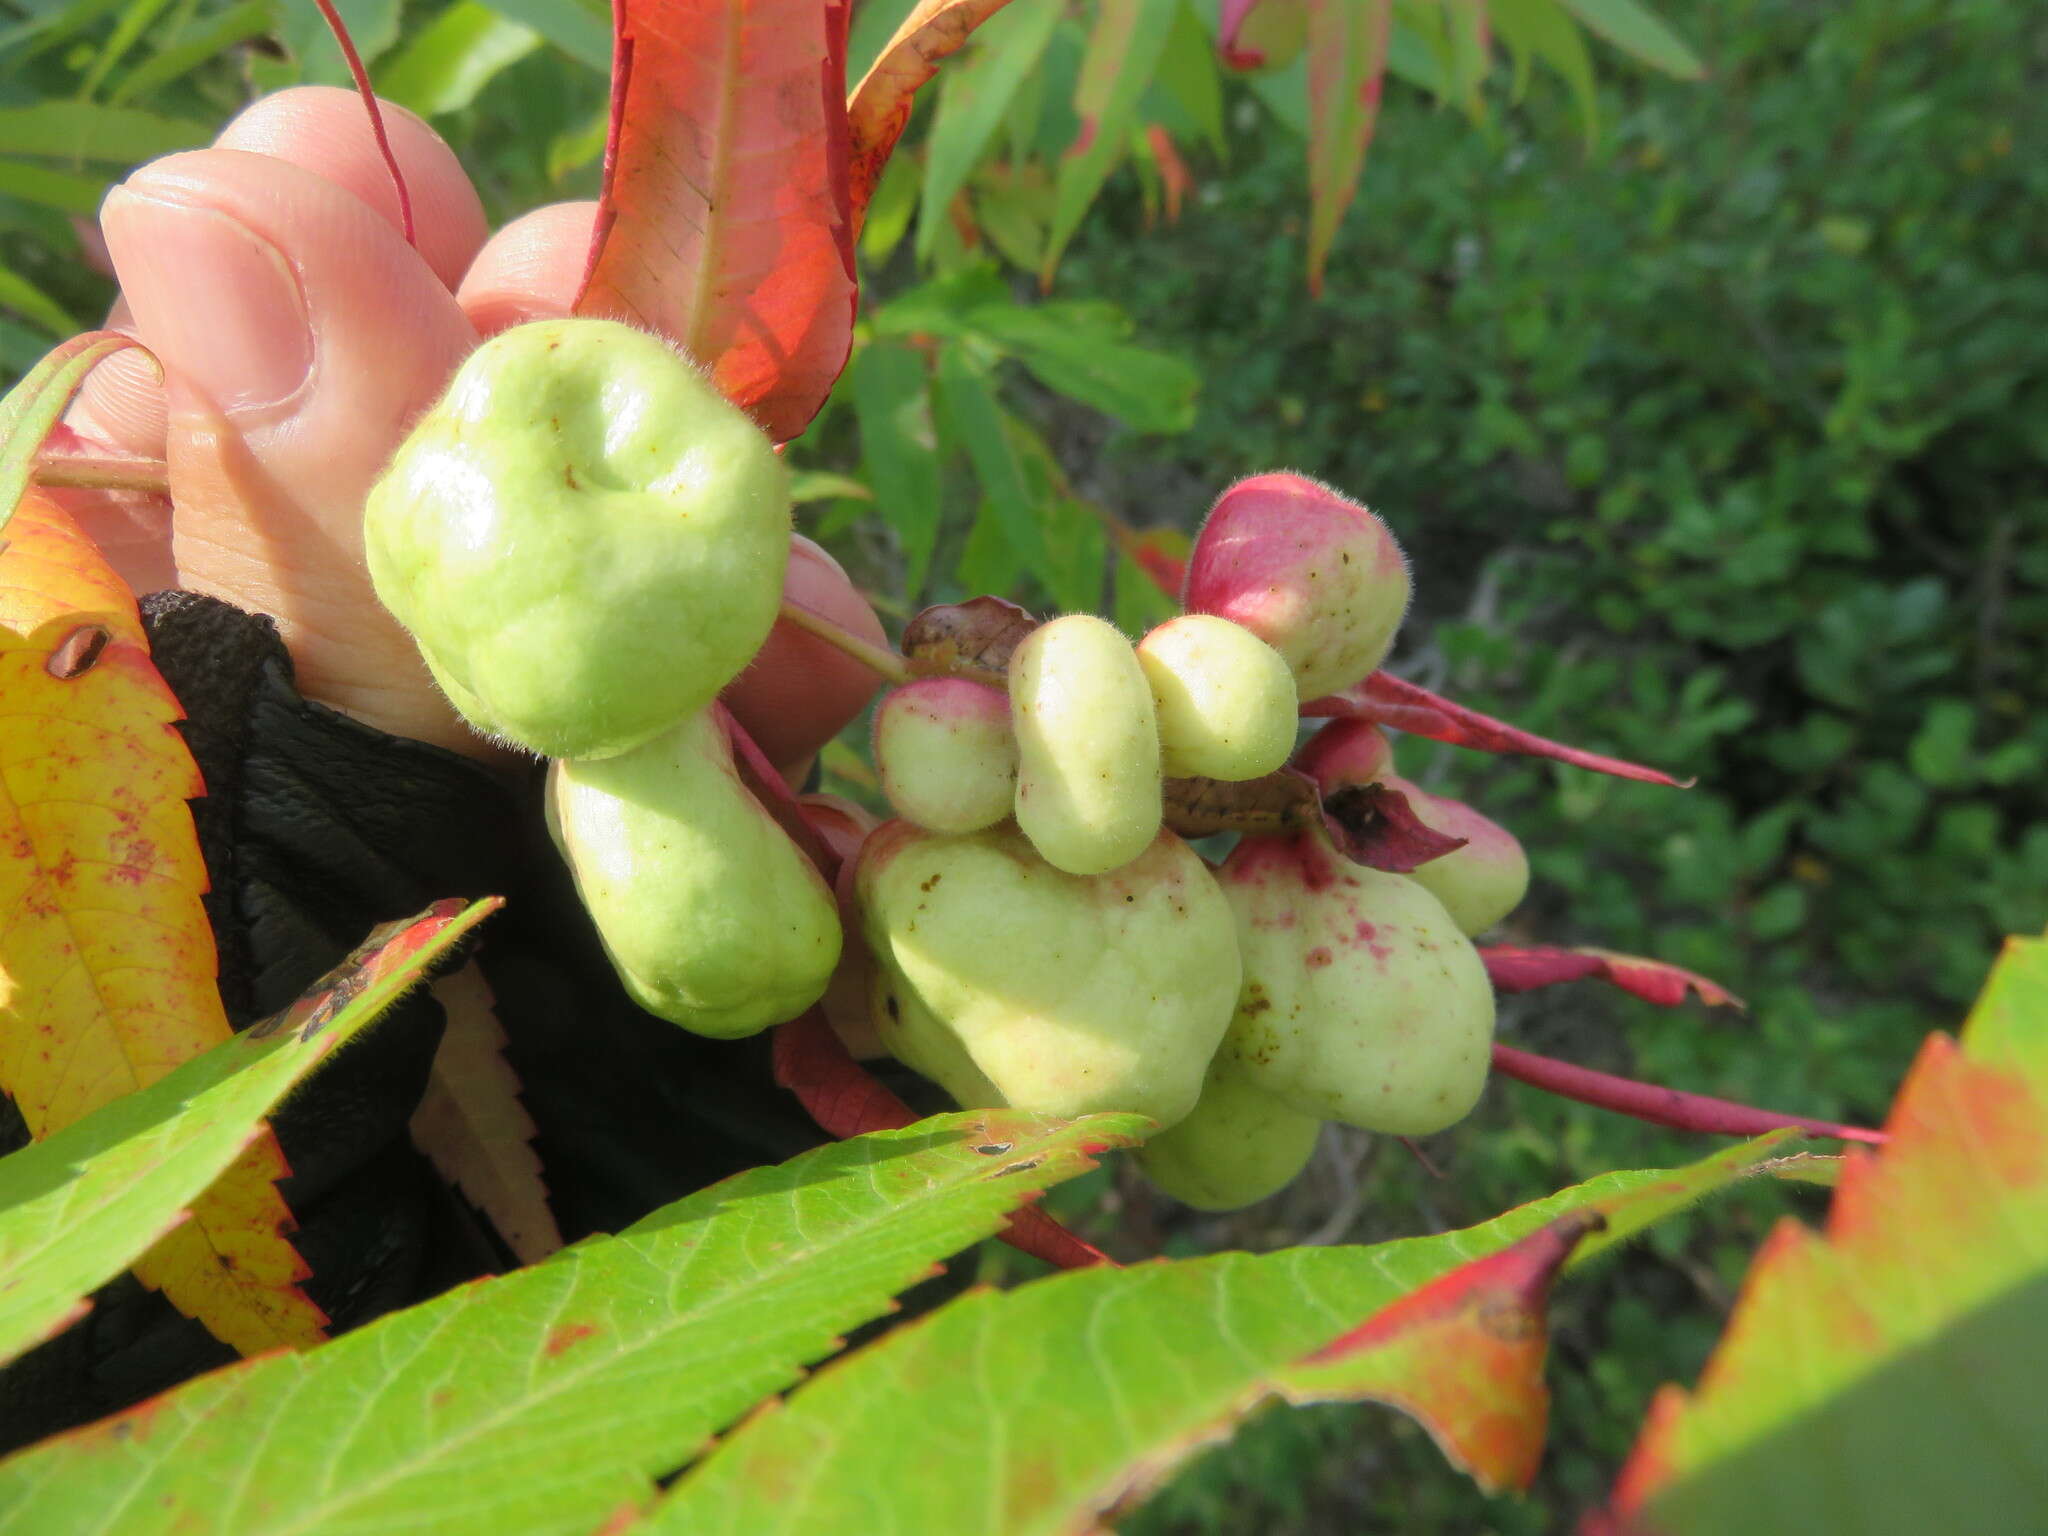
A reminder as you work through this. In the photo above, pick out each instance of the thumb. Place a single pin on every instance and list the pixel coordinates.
(299, 335)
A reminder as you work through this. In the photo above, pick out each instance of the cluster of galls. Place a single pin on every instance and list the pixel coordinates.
(588, 544)
(1035, 937)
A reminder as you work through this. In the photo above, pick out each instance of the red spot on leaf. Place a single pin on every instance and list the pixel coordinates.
(565, 1335)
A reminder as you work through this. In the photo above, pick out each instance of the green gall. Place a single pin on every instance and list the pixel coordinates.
(1308, 570)
(1065, 994)
(1088, 771)
(1480, 883)
(712, 917)
(1362, 1001)
(946, 754)
(586, 540)
(1224, 699)
(1237, 1146)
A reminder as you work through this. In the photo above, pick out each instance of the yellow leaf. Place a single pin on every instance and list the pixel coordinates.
(472, 1127)
(106, 957)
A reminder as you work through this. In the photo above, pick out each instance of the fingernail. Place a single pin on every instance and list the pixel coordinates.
(219, 305)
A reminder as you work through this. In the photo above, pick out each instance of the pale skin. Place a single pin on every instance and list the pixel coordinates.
(299, 336)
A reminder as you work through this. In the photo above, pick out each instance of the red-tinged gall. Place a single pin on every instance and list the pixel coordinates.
(1308, 570)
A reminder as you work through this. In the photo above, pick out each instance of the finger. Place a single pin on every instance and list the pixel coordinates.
(801, 691)
(529, 270)
(299, 335)
(326, 131)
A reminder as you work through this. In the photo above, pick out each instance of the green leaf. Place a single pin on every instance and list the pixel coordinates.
(1067, 1396)
(135, 20)
(975, 421)
(1187, 72)
(26, 299)
(582, 31)
(1123, 51)
(1347, 62)
(900, 448)
(62, 190)
(1077, 349)
(1542, 29)
(238, 24)
(79, 1208)
(1139, 603)
(542, 1401)
(822, 485)
(81, 130)
(1939, 752)
(32, 407)
(1884, 1376)
(453, 57)
(1640, 33)
(574, 148)
(372, 24)
(890, 208)
(974, 100)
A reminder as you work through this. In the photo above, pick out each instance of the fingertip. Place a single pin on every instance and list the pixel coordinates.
(531, 269)
(801, 691)
(325, 129)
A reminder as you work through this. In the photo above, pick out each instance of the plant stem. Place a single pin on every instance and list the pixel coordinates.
(876, 658)
(1660, 1106)
(80, 472)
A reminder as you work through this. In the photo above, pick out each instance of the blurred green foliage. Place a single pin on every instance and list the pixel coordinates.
(1718, 441)
(1725, 448)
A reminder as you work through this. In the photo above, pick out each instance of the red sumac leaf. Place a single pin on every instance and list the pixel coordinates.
(1388, 700)
(724, 223)
(880, 105)
(1520, 968)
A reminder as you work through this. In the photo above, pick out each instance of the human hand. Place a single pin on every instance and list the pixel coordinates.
(299, 336)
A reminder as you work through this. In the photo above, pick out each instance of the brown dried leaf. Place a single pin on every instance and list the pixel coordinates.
(472, 1127)
(979, 633)
(1369, 824)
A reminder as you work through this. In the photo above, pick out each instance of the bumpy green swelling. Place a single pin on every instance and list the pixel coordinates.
(1237, 1146)
(1362, 1001)
(584, 537)
(1224, 698)
(1480, 883)
(1088, 769)
(1066, 994)
(712, 917)
(946, 754)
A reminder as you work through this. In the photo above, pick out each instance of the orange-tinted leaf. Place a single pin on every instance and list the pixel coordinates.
(724, 222)
(879, 108)
(1519, 968)
(472, 1127)
(105, 948)
(846, 1100)
(1162, 554)
(1347, 66)
(1389, 700)
(1463, 1356)
(1174, 176)
(1884, 1374)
